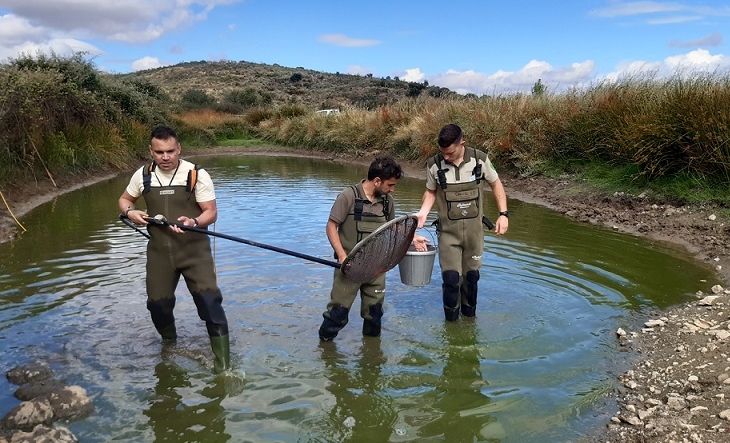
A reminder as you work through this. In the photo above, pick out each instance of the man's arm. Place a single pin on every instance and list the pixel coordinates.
(334, 237)
(429, 198)
(500, 198)
(126, 206)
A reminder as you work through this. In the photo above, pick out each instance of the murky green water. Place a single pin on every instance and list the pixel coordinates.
(534, 366)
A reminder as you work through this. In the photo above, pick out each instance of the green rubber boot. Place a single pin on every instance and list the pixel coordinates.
(168, 333)
(222, 353)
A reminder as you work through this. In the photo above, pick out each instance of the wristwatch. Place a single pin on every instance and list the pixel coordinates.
(195, 222)
(505, 213)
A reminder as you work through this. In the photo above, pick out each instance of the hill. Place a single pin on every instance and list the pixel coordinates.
(257, 84)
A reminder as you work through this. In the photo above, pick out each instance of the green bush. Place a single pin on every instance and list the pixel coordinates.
(197, 99)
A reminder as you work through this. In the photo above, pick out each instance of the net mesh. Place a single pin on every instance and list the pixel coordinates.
(380, 251)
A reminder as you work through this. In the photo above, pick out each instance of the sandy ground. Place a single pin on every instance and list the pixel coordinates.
(679, 388)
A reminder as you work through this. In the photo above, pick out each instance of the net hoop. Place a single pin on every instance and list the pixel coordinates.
(381, 250)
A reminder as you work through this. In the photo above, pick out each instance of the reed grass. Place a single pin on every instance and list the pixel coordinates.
(649, 131)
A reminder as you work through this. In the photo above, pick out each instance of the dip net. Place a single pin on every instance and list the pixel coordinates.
(380, 251)
(376, 254)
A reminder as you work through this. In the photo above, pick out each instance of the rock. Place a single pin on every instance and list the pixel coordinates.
(708, 301)
(45, 400)
(676, 403)
(29, 414)
(654, 323)
(70, 403)
(36, 389)
(44, 434)
(32, 372)
(720, 335)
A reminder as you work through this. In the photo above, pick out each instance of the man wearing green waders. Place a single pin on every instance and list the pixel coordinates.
(180, 191)
(454, 179)
(358, 211)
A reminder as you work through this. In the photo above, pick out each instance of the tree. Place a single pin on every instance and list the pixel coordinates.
(415, 89)
(196, 99)
(538, 88)
(245, 98)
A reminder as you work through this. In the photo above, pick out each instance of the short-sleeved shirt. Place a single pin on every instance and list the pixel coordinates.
(204, 190)
(464, 172)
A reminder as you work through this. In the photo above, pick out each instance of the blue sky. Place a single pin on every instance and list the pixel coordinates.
(477, 46)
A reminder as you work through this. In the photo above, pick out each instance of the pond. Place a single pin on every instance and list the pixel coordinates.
(535, 365)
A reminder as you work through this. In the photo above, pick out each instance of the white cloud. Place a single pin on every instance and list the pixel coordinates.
(16, 30)
(131, 21)
(662, 13)
(147, 63)
(523, 80)
(343, 40)
(359, 70)
(700, 59)
(692, 63)
(674, 19)
(60, 46)
(19, 36)
(620, 9)
(579, 75)
(413, 75)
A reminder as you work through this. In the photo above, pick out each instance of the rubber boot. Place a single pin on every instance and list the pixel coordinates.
(372, 327)
(168, 333)
(469, 294)
(163, 318)
(222, 353)
(334, 320)
(450, 288)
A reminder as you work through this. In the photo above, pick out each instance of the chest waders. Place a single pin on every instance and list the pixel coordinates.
(461, 240)
(170, 255)
(357, 225)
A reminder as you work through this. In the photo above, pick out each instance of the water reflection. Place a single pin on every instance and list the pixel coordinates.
(177, 413)
(362, 411)
(459, 409)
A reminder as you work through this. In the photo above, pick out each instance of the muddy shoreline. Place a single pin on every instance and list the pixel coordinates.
(679, 387)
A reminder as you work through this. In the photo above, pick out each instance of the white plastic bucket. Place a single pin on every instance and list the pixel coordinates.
(417, 266)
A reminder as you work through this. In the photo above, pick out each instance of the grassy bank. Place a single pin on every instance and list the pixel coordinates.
(668, 137)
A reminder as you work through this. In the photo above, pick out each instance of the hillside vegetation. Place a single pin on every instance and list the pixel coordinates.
(236, 86)
(660, 136)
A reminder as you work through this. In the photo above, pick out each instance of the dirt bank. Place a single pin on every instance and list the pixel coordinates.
(679, 389)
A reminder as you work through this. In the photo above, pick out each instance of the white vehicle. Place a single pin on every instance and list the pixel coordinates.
(328, 111)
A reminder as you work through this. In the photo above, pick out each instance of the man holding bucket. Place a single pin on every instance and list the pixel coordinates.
(358, 211)
(453, 182)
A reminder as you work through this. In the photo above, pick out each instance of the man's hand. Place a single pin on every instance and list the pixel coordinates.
(420, 242)
(138, 217)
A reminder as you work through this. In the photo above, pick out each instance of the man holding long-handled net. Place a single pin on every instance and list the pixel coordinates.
(358, 211)
(178, 190)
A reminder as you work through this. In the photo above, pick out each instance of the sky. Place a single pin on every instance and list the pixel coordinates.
(468, 46)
